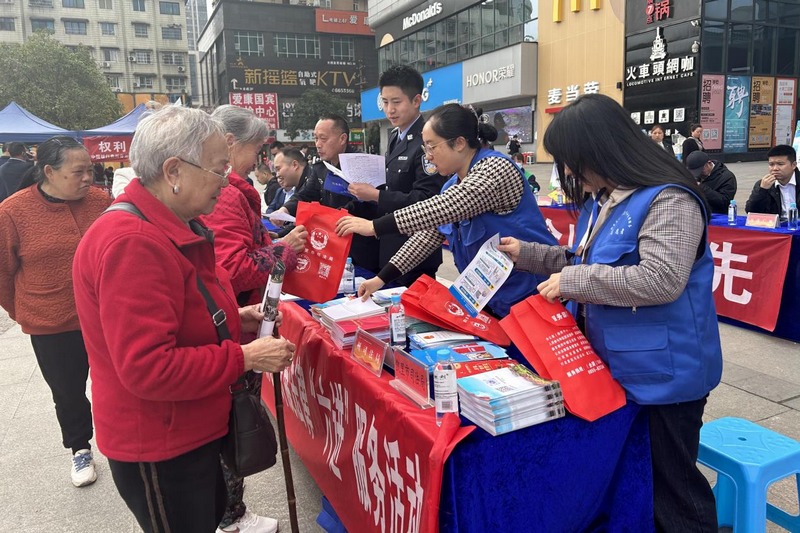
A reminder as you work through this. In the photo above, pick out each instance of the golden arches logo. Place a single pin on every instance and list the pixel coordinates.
(574, 6)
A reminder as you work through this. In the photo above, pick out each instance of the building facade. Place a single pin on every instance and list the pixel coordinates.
(729, 65)
(140, 45)
(265, 55)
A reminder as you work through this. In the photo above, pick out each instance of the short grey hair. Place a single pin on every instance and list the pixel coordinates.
(245, 126)
(170, 132)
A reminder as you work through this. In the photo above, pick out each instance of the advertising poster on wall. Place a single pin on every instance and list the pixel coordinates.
(762, 94)
(712, 102)
(737, 113)
(785, 101)
(512, 121)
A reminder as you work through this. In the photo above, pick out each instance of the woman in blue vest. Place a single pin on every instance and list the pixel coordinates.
(487, 194)
(641, 272)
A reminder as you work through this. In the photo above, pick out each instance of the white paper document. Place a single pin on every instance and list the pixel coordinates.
(361, 168)
(483, 277)
(280, 215)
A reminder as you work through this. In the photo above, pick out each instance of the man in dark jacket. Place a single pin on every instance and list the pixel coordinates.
(331, 136)
(776, 191)
(717, 182)
(409, 177)
(12, 172)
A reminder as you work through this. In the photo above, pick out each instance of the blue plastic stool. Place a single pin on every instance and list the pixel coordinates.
(748, 459)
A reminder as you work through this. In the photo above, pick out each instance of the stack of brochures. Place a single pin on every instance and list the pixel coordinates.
(440, 337)
(343, 332)
(384, 296)
(460, 353)
(502, 400)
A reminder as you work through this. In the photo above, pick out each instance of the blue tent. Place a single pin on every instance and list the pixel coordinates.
(18, 124)
(122, 126)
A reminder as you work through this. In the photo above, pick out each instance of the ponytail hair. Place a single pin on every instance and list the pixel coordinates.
(451, 121)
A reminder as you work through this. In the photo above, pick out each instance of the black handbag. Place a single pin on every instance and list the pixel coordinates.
(250, 445)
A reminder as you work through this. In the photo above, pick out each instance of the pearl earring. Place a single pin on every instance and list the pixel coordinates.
(176, 189)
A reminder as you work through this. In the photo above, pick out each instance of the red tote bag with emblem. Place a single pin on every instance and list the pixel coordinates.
(549, 338)
(321, 264)
(429, 300)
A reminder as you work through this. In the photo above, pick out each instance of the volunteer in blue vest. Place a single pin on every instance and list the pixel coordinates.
(641, 271)
(487, 194)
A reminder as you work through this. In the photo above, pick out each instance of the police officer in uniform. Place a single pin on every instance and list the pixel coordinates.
(410, 178)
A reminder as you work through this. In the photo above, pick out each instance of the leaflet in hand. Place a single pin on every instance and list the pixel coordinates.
(280, 215)
(361, 168)
(483, 277)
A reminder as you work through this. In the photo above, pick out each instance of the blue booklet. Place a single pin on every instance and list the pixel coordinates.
(460, 353)
(337, 185)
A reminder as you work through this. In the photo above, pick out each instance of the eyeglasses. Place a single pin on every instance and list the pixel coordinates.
(428, 148)
(225, 173)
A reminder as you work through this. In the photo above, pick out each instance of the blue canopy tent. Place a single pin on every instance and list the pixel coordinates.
(122, 126)
(18, 124)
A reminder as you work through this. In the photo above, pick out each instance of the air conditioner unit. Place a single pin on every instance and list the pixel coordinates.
(117, 89)
(136, 84)
(132, 59)
(181, 69)
(106, 64)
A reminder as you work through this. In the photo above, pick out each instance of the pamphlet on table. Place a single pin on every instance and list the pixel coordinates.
(483, 277)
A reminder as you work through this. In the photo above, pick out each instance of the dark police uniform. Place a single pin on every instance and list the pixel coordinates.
(409, 179)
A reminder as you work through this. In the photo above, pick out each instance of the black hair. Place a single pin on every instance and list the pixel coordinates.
(518, 157)
(52, 152)
(694, 126)
(451, 121)
(404, 77)
(658, 126)
(16, 149)
(595, 133)
(262, 167)
(276, 144)
(781, 150)
(339, 123)
(295, 155)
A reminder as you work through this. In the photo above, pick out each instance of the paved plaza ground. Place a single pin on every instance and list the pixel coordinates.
(760, 382)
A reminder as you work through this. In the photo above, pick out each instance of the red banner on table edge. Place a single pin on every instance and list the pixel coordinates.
(316, 357)
(762, 306)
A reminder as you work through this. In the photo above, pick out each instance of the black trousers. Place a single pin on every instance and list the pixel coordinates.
(682, 498)
(183, 494)
(65, 366)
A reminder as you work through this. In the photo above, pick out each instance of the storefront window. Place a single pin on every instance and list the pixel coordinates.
(742, 10)
(713, 45)
(787, 52)
(763, 47)
(760, 10)
(789, 14)
(739, 48)
(716, 9)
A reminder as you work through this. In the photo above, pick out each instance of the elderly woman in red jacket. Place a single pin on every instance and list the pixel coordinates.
(160, 372)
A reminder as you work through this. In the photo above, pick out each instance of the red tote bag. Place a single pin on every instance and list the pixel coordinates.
(549, 338)
(430, 301)
(320, 266)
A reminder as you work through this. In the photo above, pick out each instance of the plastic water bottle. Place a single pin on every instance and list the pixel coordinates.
(349, 278)
(732, 213)
(445, 389)
(397, 322)
(792, 217)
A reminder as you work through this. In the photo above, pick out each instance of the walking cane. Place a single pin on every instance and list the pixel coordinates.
(269, 306)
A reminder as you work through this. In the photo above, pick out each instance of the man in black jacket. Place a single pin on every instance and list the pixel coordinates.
(776, 191)
(331, 136)
(409, 177)
(12, 172)
(717, 182)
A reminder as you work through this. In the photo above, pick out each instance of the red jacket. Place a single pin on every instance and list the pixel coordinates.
(159, 375)
(241, 242)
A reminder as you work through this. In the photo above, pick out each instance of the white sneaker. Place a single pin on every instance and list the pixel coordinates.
(83, 472)
(251, 523)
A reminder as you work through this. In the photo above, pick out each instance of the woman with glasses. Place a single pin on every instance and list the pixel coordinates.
(245, 250)
(487, 194)
(40, 227)
(641, 271)
(161, 366)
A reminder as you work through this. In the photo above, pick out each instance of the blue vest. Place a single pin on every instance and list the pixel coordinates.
(526, 223)
(660, 354)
